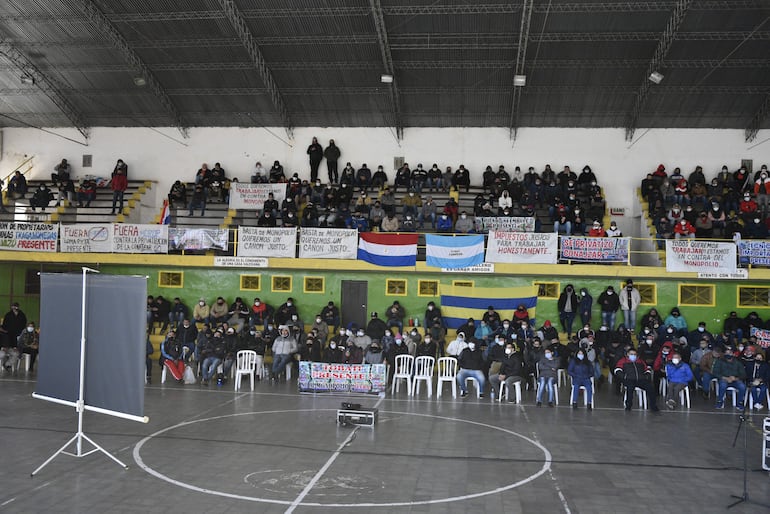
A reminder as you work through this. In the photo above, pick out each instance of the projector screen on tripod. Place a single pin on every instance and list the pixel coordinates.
(115, 340)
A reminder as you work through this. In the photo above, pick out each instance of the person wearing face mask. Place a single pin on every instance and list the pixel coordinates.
(361, 340)
(387, 341)
(321, 328)
(29, 343)
(731, 373)
(609, 304)
(547, 368)
(757, 375)
(376, 327)
(331, 315)
(677, 321)
(678, 374)
(581, 371)
(187, 334)
(694, 337)
(284, 348)
(218, 312)
(334, 353)
(568, 305)
(614, 231)
(374, 354)
(508, 330)
(285, 311)
(585, 306)
(629, 303)
(426, 348)
(171, 356)
(457, 345)
(396, 349)
(395, 314)
(510, 371)
(432, 314)
(471, 365)
(465, 224)
(411, 340)
(634, 372)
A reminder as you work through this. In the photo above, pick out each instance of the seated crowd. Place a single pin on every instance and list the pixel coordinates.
(490, 350)
(731, 205)
(365, 199)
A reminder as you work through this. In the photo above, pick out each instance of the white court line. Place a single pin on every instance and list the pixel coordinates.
(7, 502)
(326, 466)
(546, 464)
(559, 493)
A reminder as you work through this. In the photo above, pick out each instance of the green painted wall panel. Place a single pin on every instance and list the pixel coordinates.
(210, 283)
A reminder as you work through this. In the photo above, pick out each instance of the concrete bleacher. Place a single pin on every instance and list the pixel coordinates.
(100, 210)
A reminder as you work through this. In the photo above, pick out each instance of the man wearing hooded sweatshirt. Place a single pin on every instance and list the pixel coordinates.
(678, 374)
(634, 373)
(471, 364)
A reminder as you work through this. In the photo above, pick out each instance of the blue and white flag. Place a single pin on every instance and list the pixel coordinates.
(454, 251)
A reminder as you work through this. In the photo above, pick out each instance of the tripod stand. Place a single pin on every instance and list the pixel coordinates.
(745, 496)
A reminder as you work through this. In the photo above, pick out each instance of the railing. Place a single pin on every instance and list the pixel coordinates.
(26, 162)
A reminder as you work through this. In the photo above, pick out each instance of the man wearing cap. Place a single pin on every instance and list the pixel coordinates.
(731, 373)
(331, 315)
(13, 325)
(375, 329)
(395, 314)
(284, 347)
(609, 303)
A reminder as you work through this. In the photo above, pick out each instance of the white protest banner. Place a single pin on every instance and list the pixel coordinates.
(253, 196)
(267, 242)
(28, 237)
(86, 238)
(505, 224)
(529, 247)
(689, 255)
(595, 249)
(197, 238)
(128, 238)
(241, 262)
(328, 243)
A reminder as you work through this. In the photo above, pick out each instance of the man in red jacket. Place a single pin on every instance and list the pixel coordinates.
(119, 184)
(634, 372)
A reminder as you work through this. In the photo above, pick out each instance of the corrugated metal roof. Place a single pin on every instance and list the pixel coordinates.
(454, 62)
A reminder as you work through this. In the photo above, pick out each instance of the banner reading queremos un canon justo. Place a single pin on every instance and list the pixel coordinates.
(321, 377)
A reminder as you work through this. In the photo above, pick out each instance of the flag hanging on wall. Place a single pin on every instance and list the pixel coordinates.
(165, 214)
(388, 249)
(458, 303)
(454, 251)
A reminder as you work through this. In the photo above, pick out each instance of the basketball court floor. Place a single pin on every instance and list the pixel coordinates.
(274, 450)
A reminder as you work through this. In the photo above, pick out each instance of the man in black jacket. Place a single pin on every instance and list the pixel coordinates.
(471, 363)
(609, 304)
(634, 373)
(510, 371)
(316, 153)
(376, 327)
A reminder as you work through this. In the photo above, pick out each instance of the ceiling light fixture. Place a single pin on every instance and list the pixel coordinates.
(519, 80)
(655, 77)
(140, 81)
(26, 79)
(386, 78)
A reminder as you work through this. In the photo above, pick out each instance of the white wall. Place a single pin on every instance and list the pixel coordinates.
(154, 153)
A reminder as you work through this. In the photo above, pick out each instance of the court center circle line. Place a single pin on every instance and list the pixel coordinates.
(140, 462)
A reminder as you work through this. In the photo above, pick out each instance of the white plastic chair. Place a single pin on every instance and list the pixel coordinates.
(684, 396)
(663, 388)
(750, 398)
(734, 391)
(642, 397)
(516, 389)
(404, 366)
(423, 372)
(561, 376)
(447, 372)
(475, 384)
(545, 393)
(245, 364)
(585, 393)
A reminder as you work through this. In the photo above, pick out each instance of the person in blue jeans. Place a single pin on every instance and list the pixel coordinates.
(471, 364)
(730, 373)
(581, 371)
(284, 348)
(547, 368)
(678, 375)
(609, 303)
